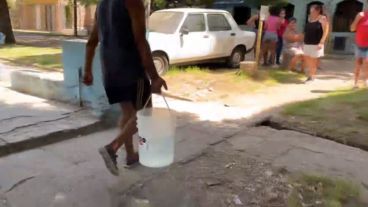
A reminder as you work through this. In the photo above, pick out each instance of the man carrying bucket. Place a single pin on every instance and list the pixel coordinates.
(128, 69)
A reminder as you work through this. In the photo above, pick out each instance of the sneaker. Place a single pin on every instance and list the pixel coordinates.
(110, 160)
(309, 80)
(131, 161)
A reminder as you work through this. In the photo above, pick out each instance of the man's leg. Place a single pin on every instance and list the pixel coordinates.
(358, 65)
(128, 127)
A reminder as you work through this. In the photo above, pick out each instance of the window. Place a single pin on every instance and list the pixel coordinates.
(165, 22)
(218, 22)
(195, 23)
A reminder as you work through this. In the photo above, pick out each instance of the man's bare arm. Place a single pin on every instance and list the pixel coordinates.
(90, 53)
(91, 47)
(137, 14)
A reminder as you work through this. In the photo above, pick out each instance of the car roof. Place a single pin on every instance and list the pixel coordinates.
(193, 10)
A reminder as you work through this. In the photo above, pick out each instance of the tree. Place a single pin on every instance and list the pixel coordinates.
(5, 23)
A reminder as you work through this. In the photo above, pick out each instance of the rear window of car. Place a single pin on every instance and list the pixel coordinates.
(195, 23)
(218, 22)
(165, 22)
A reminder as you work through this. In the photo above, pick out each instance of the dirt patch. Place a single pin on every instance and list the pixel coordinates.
(222, 85)
(221, 177)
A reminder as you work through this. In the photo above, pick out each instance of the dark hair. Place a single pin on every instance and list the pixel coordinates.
(274, 11)
(317, 7)
(293, 19)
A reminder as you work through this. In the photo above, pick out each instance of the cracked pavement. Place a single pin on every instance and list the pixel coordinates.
(24, 117)
(71, 173)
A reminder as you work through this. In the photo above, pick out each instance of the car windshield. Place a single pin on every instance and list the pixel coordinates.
(165, 22)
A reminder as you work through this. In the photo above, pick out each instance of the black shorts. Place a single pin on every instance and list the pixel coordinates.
(137, 93)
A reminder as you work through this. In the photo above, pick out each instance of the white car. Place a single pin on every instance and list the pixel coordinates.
(186, 36)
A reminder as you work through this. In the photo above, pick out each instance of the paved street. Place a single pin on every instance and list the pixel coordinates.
(71, 173)
(221, 157)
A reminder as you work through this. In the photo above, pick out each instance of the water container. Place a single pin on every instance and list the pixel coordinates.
(156, 129)
(2, 38)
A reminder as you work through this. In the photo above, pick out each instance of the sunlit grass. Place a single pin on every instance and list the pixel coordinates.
(42, 57)
(341, 116)
(314, 190)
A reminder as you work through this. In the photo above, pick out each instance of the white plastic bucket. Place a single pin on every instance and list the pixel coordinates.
(156, 129)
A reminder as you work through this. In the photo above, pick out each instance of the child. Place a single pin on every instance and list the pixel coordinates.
(360, 26)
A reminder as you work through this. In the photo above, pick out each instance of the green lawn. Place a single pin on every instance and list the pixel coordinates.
(341, 116)
(320, 191)
(41, 57)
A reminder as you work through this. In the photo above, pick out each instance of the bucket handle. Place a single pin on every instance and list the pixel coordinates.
(163, 96)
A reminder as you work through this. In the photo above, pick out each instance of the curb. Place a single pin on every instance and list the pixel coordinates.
(58, 136)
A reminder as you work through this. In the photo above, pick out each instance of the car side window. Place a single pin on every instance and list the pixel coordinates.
(218, 22)
(195, 23)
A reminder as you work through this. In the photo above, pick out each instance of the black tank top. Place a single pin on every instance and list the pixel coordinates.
(313, 33)
(121, 61)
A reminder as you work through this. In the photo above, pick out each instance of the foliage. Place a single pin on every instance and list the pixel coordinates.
(41, 57)
(88, 2)
(159, 4)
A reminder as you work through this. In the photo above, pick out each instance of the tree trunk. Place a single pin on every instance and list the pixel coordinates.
(5, 23)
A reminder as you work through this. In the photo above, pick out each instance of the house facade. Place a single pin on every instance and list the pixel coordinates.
(51, 16)
(340, 13)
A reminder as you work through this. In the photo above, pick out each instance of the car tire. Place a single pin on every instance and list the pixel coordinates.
(237, 56)
(161, 63)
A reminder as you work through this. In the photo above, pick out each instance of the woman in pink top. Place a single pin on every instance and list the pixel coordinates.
(270, 38)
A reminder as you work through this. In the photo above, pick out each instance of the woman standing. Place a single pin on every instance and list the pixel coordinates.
(316, 31)
(269, 41)
(280, 33)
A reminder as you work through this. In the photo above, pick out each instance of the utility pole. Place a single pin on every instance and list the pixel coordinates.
(75, 7)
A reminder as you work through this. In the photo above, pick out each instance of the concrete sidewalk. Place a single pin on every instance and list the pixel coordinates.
(27, 121)
(211, 169)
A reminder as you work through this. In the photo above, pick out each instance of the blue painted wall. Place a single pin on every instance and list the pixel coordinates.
(92, 96)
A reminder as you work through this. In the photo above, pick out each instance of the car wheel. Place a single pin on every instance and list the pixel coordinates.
(237, 56)
(161, 63)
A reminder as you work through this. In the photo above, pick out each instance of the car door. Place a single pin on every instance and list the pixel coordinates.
(194, 40)
(222, 37)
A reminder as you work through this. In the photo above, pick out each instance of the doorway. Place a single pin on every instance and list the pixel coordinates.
(241, 14)
(345, 14)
